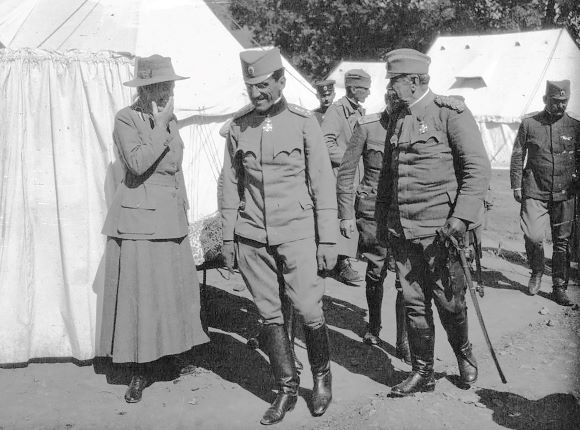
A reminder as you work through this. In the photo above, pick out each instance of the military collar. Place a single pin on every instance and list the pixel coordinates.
(421, 103)
(276, 108)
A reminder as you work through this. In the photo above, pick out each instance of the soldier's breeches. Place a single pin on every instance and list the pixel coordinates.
(426, 272)
(369, 248)
(291, 267)
(535, 217)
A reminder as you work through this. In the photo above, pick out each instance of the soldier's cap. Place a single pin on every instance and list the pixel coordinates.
(152, 70)
(406, 61)
(325, 87)
(258, 65)
(357, 78)
(559, 90)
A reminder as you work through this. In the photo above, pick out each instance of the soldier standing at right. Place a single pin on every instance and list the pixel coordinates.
(432, 185)
(545, 186)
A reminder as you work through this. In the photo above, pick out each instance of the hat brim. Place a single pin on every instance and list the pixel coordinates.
(154, 80)
(559, 97)
(257, 79)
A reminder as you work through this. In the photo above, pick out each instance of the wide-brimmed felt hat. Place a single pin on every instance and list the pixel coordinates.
(152, 70)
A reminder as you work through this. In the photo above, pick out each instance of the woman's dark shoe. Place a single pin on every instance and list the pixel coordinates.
(414, 384)
(135, 390)
(284, 402)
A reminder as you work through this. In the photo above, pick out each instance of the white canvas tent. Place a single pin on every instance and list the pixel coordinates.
(502, 78)
(60, 92)
(375, 102)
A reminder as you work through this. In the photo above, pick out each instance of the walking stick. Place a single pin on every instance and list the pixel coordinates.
(472, 292)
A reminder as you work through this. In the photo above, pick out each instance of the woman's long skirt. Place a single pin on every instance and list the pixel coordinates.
(151, 304)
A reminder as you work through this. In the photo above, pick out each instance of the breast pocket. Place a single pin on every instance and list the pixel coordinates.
(137, 214)
(248, 154)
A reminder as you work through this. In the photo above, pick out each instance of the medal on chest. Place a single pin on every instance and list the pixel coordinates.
(422, 127)
(267, 127)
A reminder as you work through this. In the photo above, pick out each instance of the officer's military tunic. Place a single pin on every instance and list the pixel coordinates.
(435, 167)
(337, 127)
(368, 142)
(278, 201)
(319, 114)
(552, 149)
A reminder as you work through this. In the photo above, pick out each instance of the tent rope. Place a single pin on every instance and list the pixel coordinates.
(62, 23)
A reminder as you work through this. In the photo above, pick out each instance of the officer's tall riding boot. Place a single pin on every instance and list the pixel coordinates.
(560, 275)
(458, 335)
(422, 343)
(374, 293)
(277, 346)
(535, 253)
(290, 326)
(402, 348)
(319, 358)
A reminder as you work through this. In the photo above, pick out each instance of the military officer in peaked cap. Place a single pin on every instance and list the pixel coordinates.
(279, 219)
(547, 184)
(337, 127)
(431, 188)
(325, 93)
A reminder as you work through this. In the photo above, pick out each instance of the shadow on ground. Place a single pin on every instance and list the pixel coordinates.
(554, 412)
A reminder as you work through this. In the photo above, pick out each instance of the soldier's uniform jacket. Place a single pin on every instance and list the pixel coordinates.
(151, 201)
(435, 167)
(337, 127)
(552, 148)
(319, 114)
(368, 141)
(278, 184)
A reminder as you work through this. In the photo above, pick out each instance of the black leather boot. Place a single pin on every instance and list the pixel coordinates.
(402, 348)
(374, 293)
(290, 326)
(139, 381)
(560, 275)
(319, 358)
(535, 255)
(458, 335)
(421, 379)
(277, 346)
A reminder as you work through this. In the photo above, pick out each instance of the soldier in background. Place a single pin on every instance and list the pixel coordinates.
(545, 187)
(279, 219)
(368, 143)
(431, 190)
(325, 93)
(337, 127)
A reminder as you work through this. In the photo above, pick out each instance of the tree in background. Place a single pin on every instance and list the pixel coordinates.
(317, 34)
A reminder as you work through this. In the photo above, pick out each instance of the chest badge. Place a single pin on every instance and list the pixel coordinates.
(267, 125)
(422, 128)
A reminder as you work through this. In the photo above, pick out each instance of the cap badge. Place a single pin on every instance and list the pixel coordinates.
(251, 71)
(562, 93)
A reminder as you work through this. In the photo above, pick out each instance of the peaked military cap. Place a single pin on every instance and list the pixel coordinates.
(558, 89)
(325, 87)
(406, 61)
(258, 65)
(357, 78)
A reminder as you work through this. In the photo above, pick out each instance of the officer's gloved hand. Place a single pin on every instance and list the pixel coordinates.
(229, 254)
(326, 256)
(347, 227)
(453, 227)
(518, 195)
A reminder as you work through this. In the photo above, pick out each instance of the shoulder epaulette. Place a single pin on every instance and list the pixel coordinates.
(367, 119)
(244, 111)
(452, 102)
(531, 114)
(573, 115)
(299, 110)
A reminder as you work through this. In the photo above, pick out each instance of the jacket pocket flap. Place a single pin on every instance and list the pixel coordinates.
(137, 198)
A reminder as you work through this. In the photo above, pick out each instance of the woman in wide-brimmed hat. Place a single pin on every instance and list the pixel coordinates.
(151, 303)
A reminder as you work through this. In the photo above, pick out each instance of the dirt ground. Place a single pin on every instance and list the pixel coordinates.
(537, 343)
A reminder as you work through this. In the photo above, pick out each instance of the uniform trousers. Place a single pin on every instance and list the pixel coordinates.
(427, 272)
(536, 215)
(290, 268)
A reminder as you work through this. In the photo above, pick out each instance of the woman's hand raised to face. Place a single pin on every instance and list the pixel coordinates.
(163, 117)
